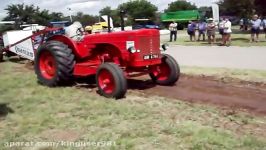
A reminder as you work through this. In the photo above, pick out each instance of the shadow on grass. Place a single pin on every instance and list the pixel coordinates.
(219, 40)
(17, 59)
(245, 40)
(85, 82)
(5, 110)
(137, 84)
(235, 31)
(134, 84)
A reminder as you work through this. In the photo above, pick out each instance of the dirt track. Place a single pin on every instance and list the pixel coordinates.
(201, 89)
(225, 92)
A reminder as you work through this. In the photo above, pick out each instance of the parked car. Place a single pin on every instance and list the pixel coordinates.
(144, 23)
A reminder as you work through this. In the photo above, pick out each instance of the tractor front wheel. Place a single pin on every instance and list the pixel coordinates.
(54, 63)
(166, 73)
(111, 81)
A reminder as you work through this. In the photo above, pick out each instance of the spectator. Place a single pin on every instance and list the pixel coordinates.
(173, 30)
(241, 23)
(221, 28)
(191, 28)
(264, 25)
(227, 32)
(202, 29)
(246, 22)
(255, 28)
(211, 31)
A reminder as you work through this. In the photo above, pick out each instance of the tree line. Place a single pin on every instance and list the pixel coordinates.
(133, 8)
(243, 8)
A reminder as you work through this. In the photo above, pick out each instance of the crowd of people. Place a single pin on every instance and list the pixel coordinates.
(208, 28)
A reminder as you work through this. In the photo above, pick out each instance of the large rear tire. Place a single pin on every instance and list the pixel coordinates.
(111, 81)
(54, 63)
(166, 73)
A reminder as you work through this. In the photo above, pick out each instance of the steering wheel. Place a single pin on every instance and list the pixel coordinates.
(79, 31)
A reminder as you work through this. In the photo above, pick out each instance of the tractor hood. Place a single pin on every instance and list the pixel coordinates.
(140, 45)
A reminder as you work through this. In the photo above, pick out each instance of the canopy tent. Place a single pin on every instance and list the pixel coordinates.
(180, 16)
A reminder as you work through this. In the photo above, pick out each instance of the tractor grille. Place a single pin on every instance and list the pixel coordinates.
(149, 45)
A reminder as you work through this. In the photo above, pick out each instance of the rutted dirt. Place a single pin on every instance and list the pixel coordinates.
(203, 89)
(225, 92)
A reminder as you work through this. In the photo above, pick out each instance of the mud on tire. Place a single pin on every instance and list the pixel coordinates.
(54, 63)
(111, 81)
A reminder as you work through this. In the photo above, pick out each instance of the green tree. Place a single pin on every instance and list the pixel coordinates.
(42, 17)
(30, 14)
(85, 19)
(21, 12)
(206, 12)
(243, 8)
(260, 7)
(180, 5)
(106, 11)
(138, 9)
(113, 13)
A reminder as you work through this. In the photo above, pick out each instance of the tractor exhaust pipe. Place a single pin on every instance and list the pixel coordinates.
(122, 14)
(109, 24)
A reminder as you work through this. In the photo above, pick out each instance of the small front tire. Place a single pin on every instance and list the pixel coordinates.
(166, 73)
(111, 81)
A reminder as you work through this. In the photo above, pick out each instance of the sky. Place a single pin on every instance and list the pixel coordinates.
(87, 6)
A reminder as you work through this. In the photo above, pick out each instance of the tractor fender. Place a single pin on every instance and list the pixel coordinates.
(111, 49)
(78, 49)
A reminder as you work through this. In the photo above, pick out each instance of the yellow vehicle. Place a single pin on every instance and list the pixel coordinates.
(97, 27)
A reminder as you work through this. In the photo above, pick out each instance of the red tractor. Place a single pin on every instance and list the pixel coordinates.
(112, 57)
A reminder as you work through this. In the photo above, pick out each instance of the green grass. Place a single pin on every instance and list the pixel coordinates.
(238, 39)
(241, 74)
(135, 122)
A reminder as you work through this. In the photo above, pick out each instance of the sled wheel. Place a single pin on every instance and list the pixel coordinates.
(111, 81)
(166, 73)
(54, 63)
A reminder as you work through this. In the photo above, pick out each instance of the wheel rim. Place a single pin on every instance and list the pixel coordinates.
(106, 81)
(161, 72)
(47, 65)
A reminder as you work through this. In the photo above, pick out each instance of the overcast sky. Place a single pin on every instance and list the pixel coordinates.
(86, 6)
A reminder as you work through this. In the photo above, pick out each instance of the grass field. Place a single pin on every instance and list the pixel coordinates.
(225, 73)
(238, 39)
(38, 113)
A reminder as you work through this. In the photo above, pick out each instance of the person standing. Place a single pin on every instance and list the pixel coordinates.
(202, 26)
(211, 31)
(191, 30)
(264, 25)
(241, 24)
(173, 30)
(255, 28)
(221, 28)
(246, 22)
(227, 32)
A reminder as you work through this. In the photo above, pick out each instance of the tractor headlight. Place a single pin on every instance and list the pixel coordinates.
(165, 46)
(132, 50)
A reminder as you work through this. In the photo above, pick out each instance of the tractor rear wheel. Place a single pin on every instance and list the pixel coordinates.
(111, 81)
(166, 73)
(54, 63)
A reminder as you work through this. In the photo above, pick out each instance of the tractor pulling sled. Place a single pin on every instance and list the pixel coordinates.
(112, 57)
